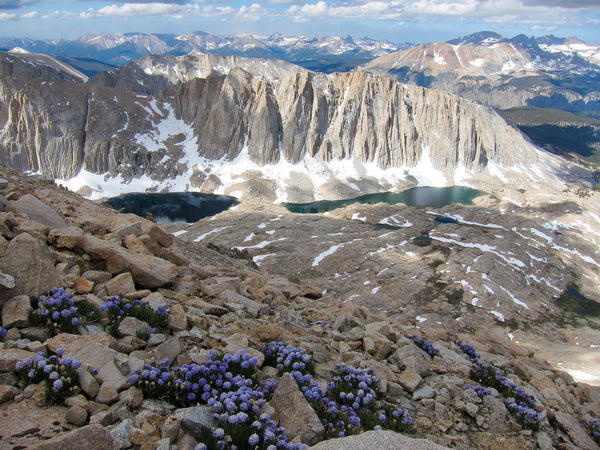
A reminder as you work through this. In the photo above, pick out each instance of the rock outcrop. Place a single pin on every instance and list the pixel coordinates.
(190, 122)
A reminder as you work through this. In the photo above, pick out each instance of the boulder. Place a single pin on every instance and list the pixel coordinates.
(93, 351)
(381, 440)
(31, 264)
(576, 432)
(68, 238)
(147, 271)
(231, 299)
(130, 325)
(90, 437)
(15, 312)
(9, 357)
(294, 413)
(36, 210)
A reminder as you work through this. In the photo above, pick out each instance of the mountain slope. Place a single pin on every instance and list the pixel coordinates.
(254, 126)
(500, 72)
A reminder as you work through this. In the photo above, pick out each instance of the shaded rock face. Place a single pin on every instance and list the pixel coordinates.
(160, 116)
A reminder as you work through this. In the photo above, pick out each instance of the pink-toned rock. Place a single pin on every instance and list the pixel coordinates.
(147, 271)
(15, 312)
(69, 237)
(294, 413)
(10, 356)
(30, 263)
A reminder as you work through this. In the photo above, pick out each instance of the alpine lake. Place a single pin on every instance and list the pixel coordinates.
(192, 206)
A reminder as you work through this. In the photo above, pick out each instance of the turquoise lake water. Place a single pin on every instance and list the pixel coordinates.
(434, 197)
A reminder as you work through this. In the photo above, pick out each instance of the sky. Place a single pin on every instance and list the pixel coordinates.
(398, 21)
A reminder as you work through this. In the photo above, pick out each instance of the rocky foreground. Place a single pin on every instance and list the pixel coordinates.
(216, 299)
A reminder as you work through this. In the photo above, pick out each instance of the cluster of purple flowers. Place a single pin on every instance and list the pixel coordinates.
(425, 345)
(518, 402)
(525, 415)
(220, 383)
(56, 311)
(594, 425)
(320, 322)
(479, 390)
(3, 332)
(287, 358)
(118, 308)
(349, 406)
(59, 374)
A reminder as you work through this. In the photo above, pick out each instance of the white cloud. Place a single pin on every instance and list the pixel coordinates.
(29, 15)
(6, 16)
(514, 11)
(251, 14)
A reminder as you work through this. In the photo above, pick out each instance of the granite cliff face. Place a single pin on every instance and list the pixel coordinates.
(221, 124)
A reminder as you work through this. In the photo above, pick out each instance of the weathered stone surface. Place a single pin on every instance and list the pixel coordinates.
(7, 281)
(121, 284)
(31, 264)
(410, 380)
(167, 350)
(294, 413)
(93, 352)
(208, 308)
(107, 394)
(576, 432)
(381, 440)
(15, 312)
(194, 419)
(177, 319)
(77, 415)
(88, 383)
(90, 437)
(7, 393)
(69, 237)
(121, 433)
(149, 271)
(10, 356)
(231, 298)
(130, 325)
(36, 210)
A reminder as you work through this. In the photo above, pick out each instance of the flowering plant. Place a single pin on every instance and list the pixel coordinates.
(59, 312)
(118, 308)
(59, 374)
(425, 346)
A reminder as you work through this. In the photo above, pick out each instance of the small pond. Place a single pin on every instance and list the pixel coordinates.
(434, 197)
(172, 206)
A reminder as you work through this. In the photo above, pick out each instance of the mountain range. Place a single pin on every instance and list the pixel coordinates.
(257, 128)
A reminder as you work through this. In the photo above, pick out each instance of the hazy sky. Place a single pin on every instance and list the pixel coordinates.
(413, 21)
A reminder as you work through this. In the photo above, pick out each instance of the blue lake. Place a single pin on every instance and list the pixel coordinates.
(172, 206)
(433, 197)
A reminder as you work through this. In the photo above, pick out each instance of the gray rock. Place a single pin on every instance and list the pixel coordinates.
(31, 264)
(294, 413)
(7, 281)
(15, 312)
(36, 210)
(121, 433)
(423, 392)
(130, 325)
(91, 436)
(167, 350)
(88, 383)
(231, 298)
(380, 440)
(576, 432)
(194, 419)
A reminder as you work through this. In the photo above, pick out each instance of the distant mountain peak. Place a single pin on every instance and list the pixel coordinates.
(479, 38)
